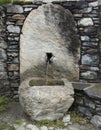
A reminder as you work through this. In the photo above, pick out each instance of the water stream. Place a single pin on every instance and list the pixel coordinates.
(46, 73)
(48, 62)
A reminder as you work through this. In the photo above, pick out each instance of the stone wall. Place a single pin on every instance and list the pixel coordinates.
(87, 21)
(87, 99)
(4, 81)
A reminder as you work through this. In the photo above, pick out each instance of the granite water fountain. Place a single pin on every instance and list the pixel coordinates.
(49, 57)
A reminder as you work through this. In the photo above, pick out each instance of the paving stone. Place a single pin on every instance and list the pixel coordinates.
(74, 127)
(43, 128)
(32, 127)
(66, 119)
(50, 128)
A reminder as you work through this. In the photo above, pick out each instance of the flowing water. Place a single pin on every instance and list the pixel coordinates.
(46, 73)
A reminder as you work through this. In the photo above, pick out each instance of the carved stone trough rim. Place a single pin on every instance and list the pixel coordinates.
(26, 82)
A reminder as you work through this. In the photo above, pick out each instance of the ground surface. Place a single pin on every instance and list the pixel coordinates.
(15, 112)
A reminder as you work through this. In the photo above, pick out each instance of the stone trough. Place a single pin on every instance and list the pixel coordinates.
(43, 100)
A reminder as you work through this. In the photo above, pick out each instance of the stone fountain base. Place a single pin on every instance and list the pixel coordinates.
(46, 100)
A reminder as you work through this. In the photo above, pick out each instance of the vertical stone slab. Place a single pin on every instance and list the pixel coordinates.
(49, 44)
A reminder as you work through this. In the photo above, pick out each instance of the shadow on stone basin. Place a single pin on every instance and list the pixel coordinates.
(43, 101)
(47, 81)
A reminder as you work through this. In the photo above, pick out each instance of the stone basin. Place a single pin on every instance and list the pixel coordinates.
(43, 99)
(44, 82)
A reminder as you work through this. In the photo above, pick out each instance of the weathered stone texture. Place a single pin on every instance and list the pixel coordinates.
(88, 59)
(96, 120)
(3, 44)
(89, 75)
(88, 99)
(18, 17)
(4, 83)
(81, 10)
(90, 49)
(14, 9)
(45, 102)
(49, 30)
(13, 29)
(3, 56)
(85, 22)
(94, 91)
(93, 4)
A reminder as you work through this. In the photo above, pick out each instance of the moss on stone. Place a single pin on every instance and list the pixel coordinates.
(3, 126)
(56, 124)
(77, 118)
(4, 103)
(6, 126)
(5, 1)
(18, 122)
(12, 1)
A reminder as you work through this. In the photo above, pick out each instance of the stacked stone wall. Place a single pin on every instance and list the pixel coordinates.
(87, 19)
(87, 102)
(87, 106)
(4, 81)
